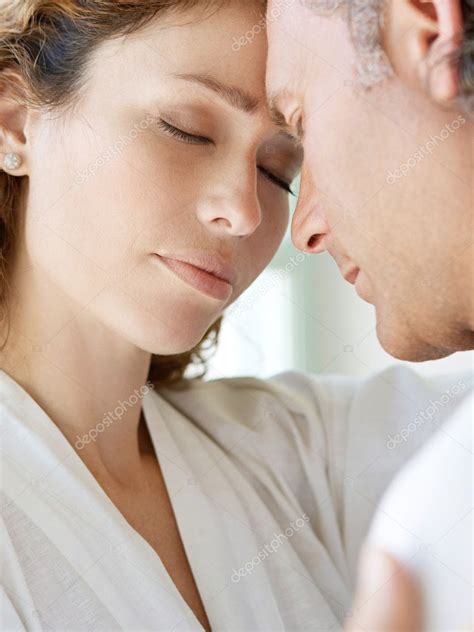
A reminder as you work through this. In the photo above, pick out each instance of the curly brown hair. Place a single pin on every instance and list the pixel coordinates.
(48, 43)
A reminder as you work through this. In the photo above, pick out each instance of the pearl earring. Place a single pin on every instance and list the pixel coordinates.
(12, 162)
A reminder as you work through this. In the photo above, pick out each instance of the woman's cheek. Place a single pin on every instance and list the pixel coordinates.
(276, 216)
(271, 231)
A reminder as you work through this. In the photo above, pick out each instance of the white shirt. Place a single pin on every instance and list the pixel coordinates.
(425, 520)
(273, 485)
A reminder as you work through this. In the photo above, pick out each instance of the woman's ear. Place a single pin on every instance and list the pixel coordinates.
(13, 122)
(421, 38)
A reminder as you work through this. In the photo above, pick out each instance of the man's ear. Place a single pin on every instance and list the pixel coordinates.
(13, 120)
(421, 38)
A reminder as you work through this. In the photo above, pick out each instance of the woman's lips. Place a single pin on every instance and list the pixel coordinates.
(201, 279)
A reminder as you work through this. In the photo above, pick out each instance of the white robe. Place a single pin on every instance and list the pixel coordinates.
(273, 485)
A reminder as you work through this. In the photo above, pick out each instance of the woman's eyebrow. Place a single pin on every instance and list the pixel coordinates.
(237, 97)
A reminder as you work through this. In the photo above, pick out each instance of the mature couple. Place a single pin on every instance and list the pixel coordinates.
(237, 504)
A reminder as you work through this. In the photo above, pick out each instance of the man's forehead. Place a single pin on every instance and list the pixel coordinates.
(296, 20)
(323, 6)
(318, 7)
(292, 56)
(284, 77)
(277, 92)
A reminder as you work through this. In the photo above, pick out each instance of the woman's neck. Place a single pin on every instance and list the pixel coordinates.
(88, 380)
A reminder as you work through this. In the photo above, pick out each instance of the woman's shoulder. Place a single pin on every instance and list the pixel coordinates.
(244, 398)
(277, 410)
(315, 403)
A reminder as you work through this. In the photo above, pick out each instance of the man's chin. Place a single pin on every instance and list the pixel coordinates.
(405, 344)
(364, 288)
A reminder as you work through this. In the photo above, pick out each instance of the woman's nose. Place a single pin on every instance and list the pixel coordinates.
(233, 212)
(310, 227)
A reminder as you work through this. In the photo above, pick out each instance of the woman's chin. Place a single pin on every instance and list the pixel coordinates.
(172, 342)
(174, 347)
(166, 329)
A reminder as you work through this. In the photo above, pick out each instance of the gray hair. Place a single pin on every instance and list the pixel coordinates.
(366, 19)
(465, 56)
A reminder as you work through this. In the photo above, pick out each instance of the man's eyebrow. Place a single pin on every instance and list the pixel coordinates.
(237, 97)
(278, 119)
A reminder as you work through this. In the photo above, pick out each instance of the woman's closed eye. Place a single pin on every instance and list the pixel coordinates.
(183, 136)
(286, 186)
(194, 139)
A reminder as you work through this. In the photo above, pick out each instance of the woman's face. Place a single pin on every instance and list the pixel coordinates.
(168, 156)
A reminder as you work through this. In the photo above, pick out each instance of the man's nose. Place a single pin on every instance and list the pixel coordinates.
(310, 227)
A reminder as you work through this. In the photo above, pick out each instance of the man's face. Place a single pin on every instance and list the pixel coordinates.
(386, 185)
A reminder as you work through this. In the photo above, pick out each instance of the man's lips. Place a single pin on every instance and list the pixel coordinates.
(351, 275)
(209, 274)
(348, 269)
